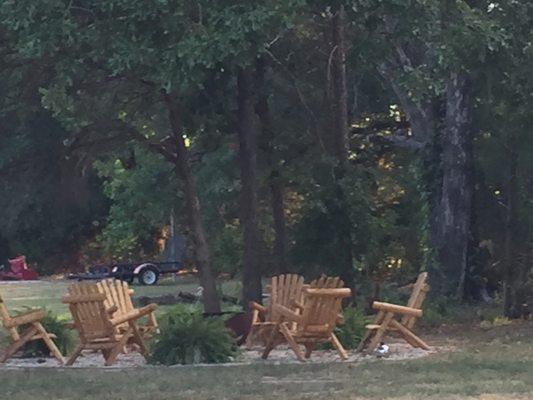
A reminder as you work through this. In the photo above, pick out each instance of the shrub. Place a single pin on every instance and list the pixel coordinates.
(353, 328)
(351, 331)
(64, 339)
(188, 337)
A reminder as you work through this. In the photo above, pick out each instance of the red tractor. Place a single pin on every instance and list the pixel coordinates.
(18, 271)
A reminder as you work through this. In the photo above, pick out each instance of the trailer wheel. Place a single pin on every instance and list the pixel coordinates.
(148, 276)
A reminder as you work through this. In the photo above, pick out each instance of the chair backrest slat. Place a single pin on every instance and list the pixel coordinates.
(322, 307)
(418, 295)
(118, 294)
(87, 306)
(327, 282)
(284, 290)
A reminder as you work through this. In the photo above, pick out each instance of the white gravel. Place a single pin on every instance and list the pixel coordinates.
(281, 355)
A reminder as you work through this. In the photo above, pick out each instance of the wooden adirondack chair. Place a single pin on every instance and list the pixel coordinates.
(118, 294)
(96, 325)
(320, 315)
(385, 320)
(285, 290)
(34, 331)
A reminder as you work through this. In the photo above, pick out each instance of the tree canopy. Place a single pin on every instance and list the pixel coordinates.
(369, 139)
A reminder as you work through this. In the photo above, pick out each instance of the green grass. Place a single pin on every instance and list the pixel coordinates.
(47, 294)
(489, 365)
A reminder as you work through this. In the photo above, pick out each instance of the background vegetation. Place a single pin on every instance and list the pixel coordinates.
(370, 139)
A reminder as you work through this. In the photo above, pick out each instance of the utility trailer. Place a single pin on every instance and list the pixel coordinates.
(146, 272)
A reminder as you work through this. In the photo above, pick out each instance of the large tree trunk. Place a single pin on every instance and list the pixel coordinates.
(275, 179)
(194, 213)
(340, 146)
(339, 89)
(455, 209)
(510, 300)
(278, 213)
(247, 130)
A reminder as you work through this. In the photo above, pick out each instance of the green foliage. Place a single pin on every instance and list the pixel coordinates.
(64, 339)
(72, 96)
(351, 331)
(142, 197)
(189, 338)
(48, 206)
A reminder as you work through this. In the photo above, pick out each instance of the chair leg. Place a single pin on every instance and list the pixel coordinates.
(11, 350)
(380, 332)
(338, 346)
(106, 353)
(309, 347)
(249, 340)
(368, 334)
(266, 352)
(75, 354)
(50, 343)
(409, 336)
(363, 341)
(152, 326)
(292, 343)
(137, 338)
(270, 342)
(117, 349)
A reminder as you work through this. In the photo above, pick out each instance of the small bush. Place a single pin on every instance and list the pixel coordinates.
(64, 339)
(351, 332)
(188, 338)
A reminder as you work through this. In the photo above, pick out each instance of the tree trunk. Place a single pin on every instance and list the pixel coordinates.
(340, 145)
(278, 213)
(247, 131)
(455, 209)
(194, 213)
(275, 180)
(339, 89)
(509, 276)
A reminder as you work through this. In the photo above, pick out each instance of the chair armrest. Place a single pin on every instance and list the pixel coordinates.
(111, 310)
(286, 313)
(147, 309)
(252, 305)
(388, 307)
(298, 305)
(133, 315)
(26, 318)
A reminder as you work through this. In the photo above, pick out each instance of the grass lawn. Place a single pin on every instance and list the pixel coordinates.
(493, 364)
(47, 293)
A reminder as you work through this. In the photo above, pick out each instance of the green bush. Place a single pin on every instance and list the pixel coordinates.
(351, 331)
(64, 339)
(188, 338)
